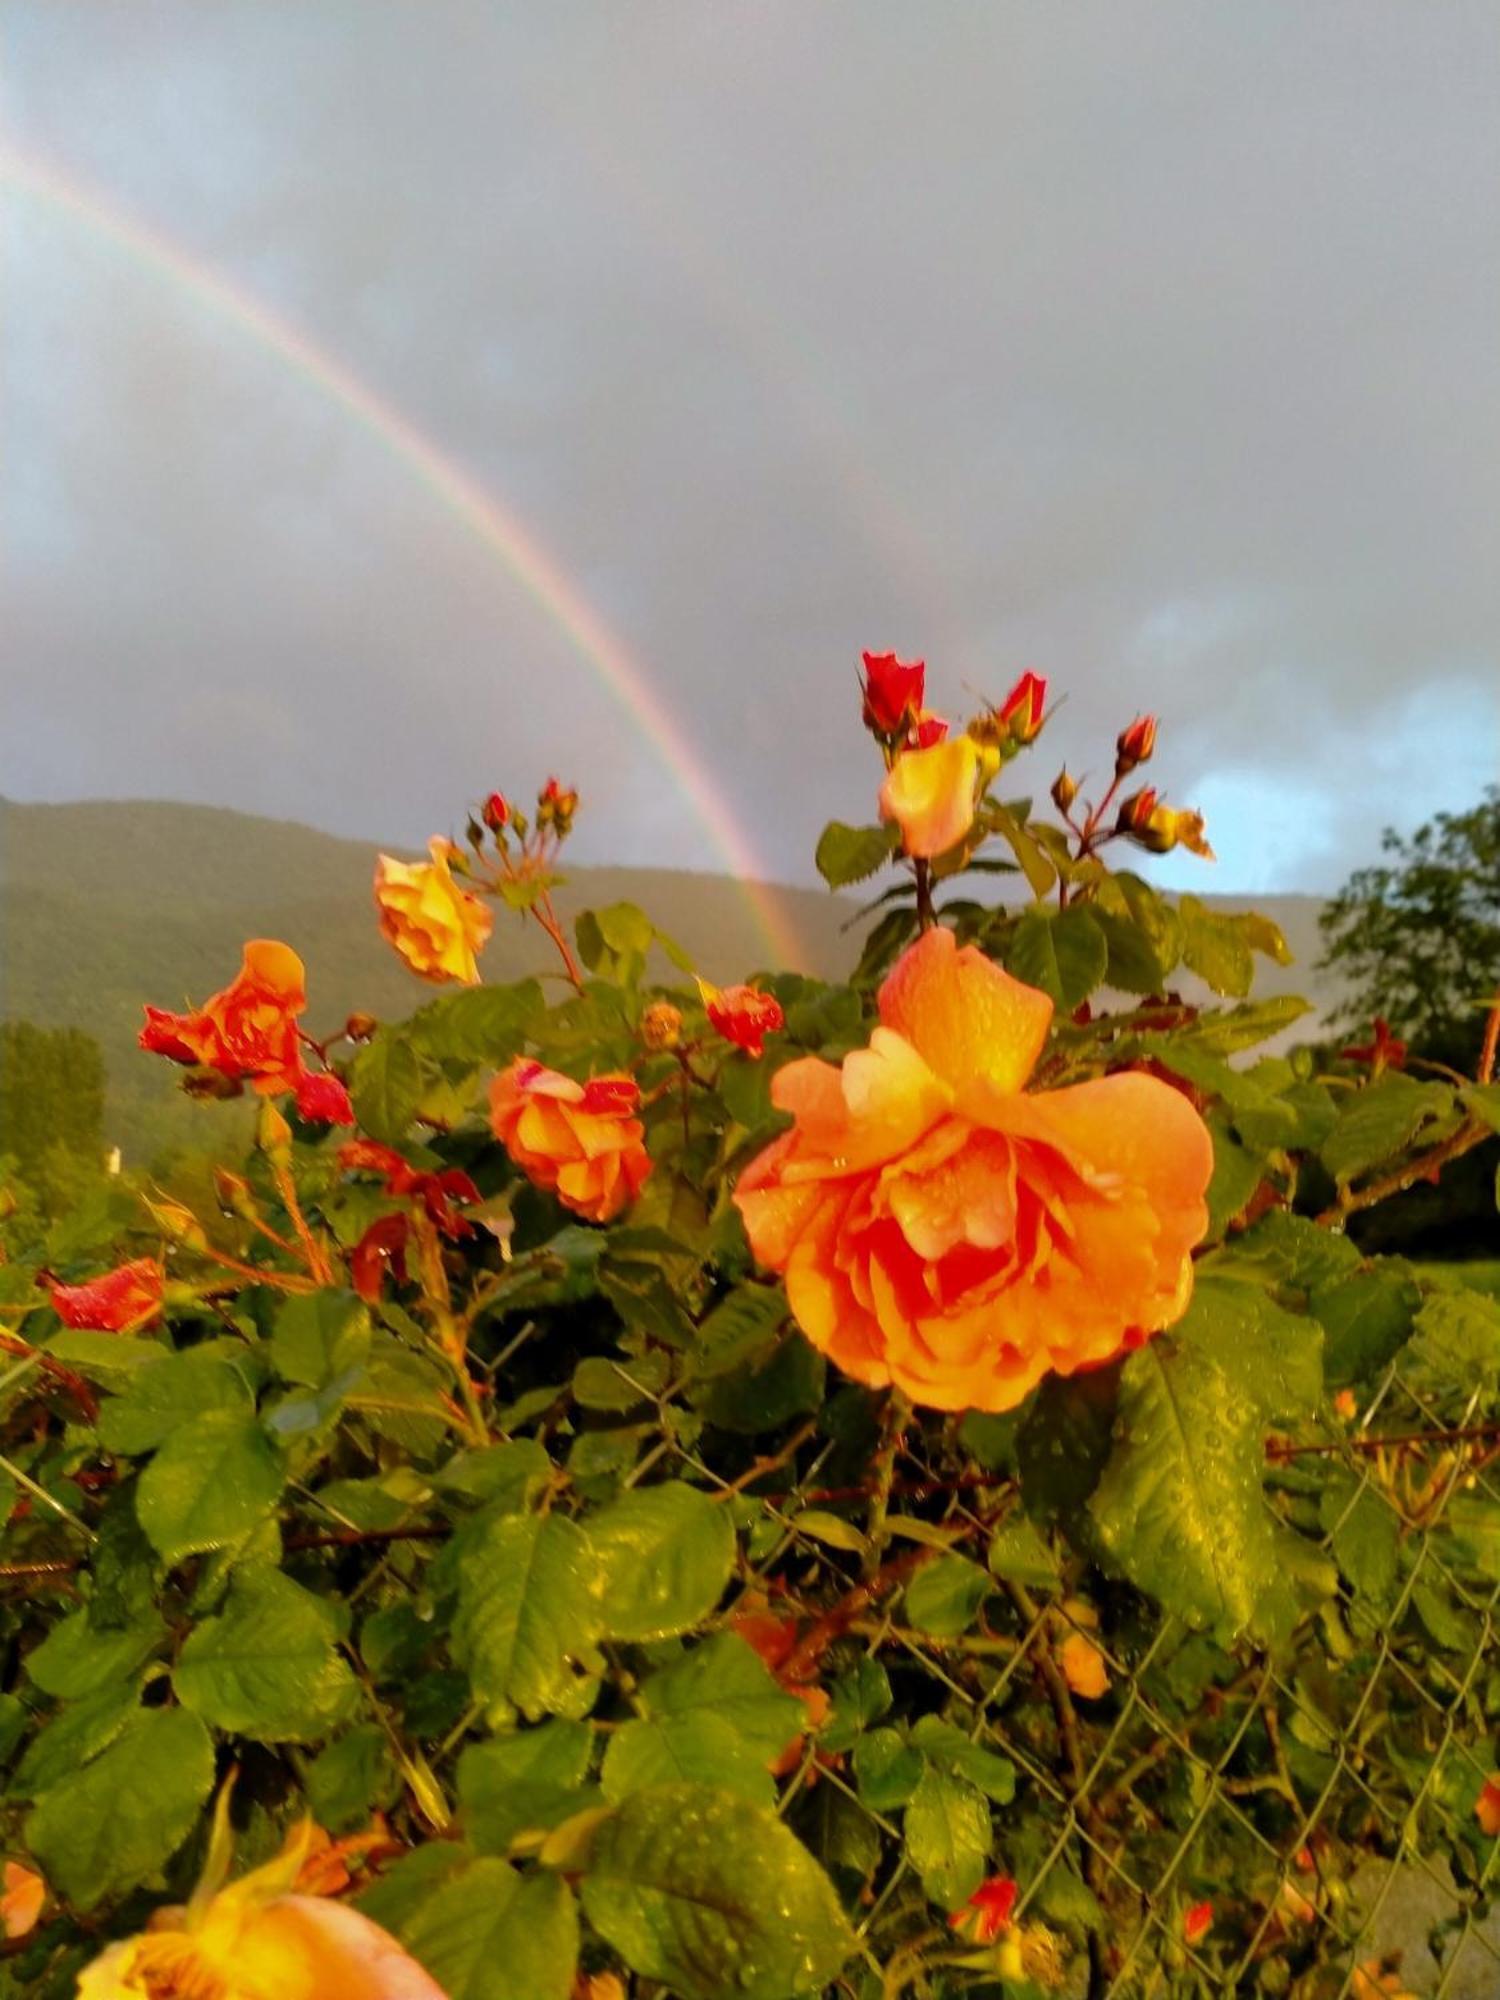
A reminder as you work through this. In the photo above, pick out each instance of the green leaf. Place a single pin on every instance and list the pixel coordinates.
(726, 1677)
(267, 1666)
(107, 1827)
(171, 1394)
(1134, 965)
(1038, 870)
(948, 1835)
(1019, 1553)
(1273, 1358)
(665, 1554)
(75, 1658)
(945, 1744)
(1366, 1539)
(210, 1484)
(528, 1612)
(765, 1391)
(701, 1747)
(1179, 1507)
(741, 1325)
(354, 1777)
(79, 1731)
(530, 1780)
(481, 1024)
(887, 1768)
(944, 1597)
(1214, 947)
(386, 1085)
(848, 854)
(319, 1337)
(602, 1384)
(1457, 1343)
(832, 1530)
(1367, 1319)
(103, 1357)
(485, 1933)
(713, 1895)
(1380, 1122)
(1061, 951)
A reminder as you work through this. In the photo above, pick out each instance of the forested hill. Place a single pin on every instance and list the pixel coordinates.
(104, 905)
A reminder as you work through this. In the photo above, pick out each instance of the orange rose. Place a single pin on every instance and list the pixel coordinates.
(930, 794)
(941, 1230)
(258, 1939)
(249, 1030)
(580, 1140)
(122, 1301)
(436, 926)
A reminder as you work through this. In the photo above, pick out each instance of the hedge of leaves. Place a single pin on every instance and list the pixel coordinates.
(615, 1643)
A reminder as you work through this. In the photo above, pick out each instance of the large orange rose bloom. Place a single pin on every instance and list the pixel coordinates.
(940, 1230)
(249, 1030)
(435, 925)
(581, 1141)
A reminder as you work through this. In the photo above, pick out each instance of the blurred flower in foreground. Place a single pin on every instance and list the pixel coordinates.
(987, 1912)
(122, 1301)
(433, 924)
(21, 1900)
(1487, 1806)
(1197, 1922)
(257, 1939)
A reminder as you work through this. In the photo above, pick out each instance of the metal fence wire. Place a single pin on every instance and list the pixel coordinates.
(1303, 1821)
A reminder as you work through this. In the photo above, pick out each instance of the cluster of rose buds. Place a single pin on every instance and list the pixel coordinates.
(1144, 816)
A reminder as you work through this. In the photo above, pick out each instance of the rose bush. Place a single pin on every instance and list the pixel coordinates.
(893, 1487)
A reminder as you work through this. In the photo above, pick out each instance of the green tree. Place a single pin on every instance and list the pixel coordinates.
(1418, 936)
(51, 1094)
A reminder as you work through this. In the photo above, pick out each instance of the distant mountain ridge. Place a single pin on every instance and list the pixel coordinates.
(105, 905)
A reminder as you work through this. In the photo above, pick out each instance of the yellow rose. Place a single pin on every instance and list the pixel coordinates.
(931, 794)
(434, 924)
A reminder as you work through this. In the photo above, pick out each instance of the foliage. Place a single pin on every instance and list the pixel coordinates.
(609, 1630)
(1418, 936)
(52, 1109)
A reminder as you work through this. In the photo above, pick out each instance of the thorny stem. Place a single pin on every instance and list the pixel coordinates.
(312, 1251)
(547, 917)
(894, 1419)
(1424, 1167)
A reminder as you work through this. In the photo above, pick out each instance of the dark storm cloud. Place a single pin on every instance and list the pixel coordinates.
(1153, 346)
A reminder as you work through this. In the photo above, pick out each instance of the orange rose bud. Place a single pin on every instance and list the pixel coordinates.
(1135, 744)
(495, 812)
(432, 923)
(249, 1030)
(582, 1142)
(122, 1301)
(1197, 1922)
(1083, 1666)
(661, 1026)
(360, 1027)
(1064, 791)
(930, 794)
(1023, 710)
(323, 1099)
(742, 1015)
(987, 1912)
(893, 691)
(942, 1229)
(1487, 1806)
(555, 807)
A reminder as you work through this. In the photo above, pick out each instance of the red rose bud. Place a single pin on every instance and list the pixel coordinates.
(555, 806)
(742, 1015)
(1135, 744)
(322, 1099)
(987, 1912)
(1136, 811)
(1064, 791)
(1197, 1922)
(1023, 709)
(495, 812)
(927, 729)
(893, 691)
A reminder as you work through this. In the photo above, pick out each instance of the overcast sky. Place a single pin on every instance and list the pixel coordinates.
(1156, 347)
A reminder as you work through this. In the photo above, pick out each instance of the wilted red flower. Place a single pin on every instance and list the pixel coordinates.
(1022, 710)
(322, 1099)
(122, 1301)
(1385, 1051)
(581, 1141)
(742, 1015)
(381, 1249)
(436, 1191)
(987, 1912)
(893, 692)
(1135, 744)
(1197, 1921)
(249, 1030)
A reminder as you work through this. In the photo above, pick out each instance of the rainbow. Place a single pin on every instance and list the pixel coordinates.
(492, 523)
